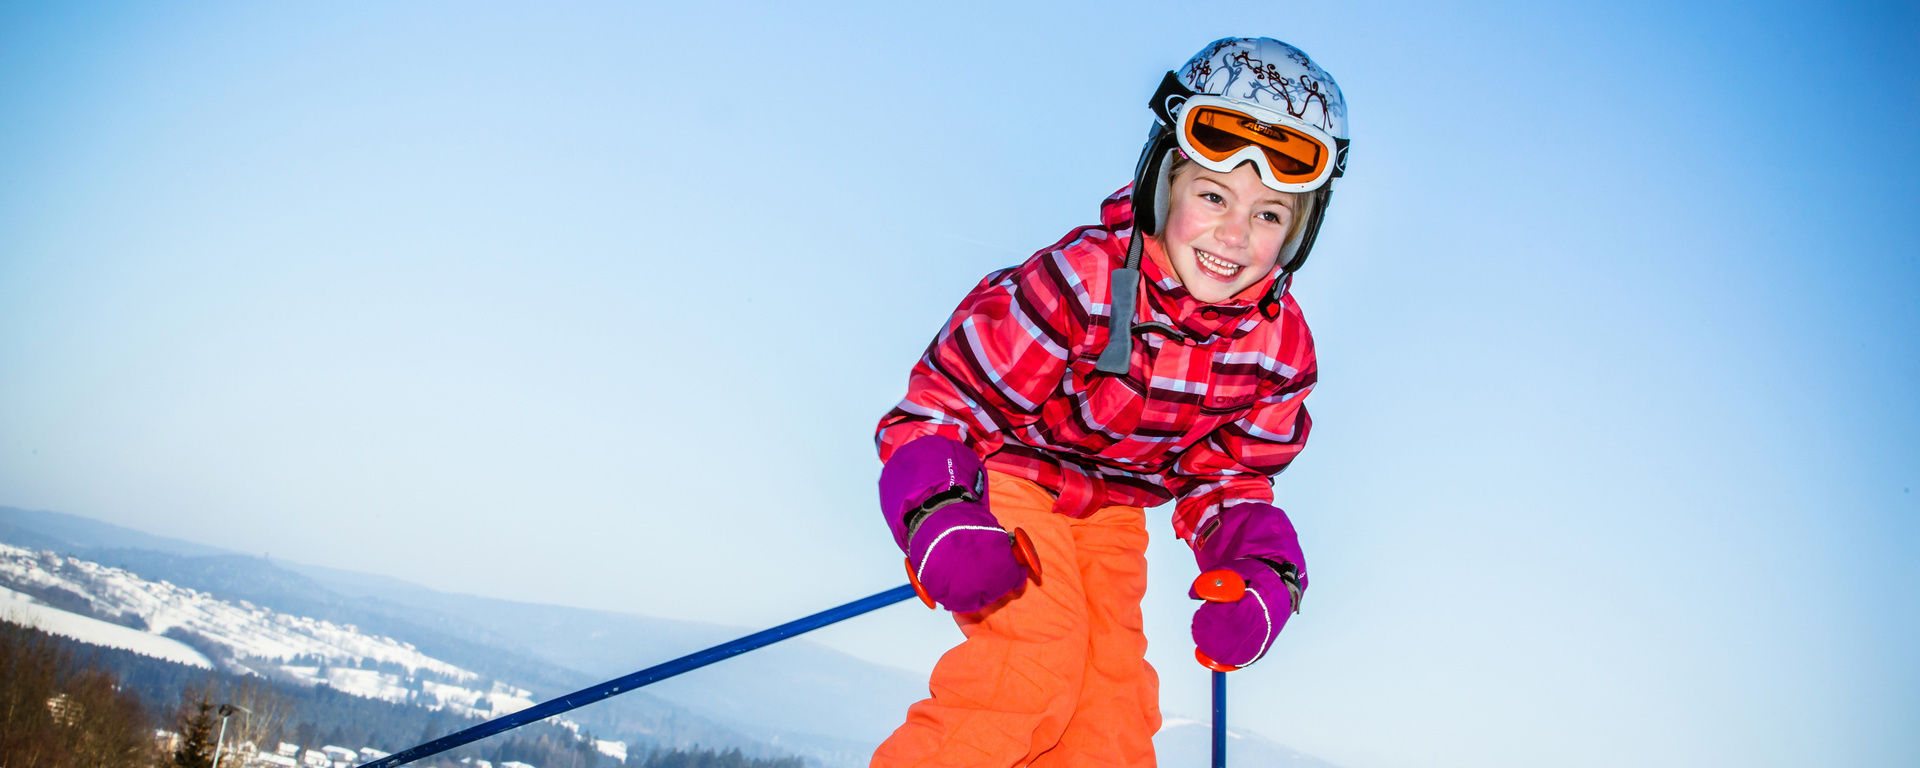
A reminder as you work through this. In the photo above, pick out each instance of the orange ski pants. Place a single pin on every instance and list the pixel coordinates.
(1055, 675)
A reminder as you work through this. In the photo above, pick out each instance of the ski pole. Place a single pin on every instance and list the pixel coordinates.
(1219, 586)
(1023, 551)
(1219, 718)
(648, 676)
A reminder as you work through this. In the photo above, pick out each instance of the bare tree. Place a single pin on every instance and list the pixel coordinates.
(55, 712)
(115, 733)
(260, 716)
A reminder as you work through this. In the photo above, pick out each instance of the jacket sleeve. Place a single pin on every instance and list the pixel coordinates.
(1237, 461)
(999, 356)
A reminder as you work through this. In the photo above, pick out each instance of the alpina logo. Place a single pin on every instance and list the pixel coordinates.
(1265, 130)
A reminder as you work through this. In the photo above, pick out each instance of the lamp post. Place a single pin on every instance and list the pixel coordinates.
(226, 711)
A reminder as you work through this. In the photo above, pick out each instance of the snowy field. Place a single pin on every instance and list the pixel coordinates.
(21, 609)
(260, 639)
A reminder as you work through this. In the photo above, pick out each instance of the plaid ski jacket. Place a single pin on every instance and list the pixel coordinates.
(1209, 411)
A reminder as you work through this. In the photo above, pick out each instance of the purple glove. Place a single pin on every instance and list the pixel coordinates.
(1240, 632)
(933, 493)
(1257, 541)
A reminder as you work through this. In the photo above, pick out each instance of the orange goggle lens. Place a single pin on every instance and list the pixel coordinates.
(1292, 156)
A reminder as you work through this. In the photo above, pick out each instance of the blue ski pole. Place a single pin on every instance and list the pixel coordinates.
(1219, 719)
(648, 676)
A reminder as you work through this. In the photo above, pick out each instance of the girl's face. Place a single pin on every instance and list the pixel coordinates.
(1224, 230)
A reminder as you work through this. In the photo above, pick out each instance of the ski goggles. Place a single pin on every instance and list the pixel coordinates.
(1220, 134)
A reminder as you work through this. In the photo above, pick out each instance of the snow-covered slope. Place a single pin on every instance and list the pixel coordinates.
(21, 609)
(160, 619)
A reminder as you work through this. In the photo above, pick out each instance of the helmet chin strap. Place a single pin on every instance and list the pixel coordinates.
(1270, 304)
(1125, 286)
(1124, 283)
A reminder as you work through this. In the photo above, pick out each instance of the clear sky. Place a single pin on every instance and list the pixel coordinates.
(1615, 440)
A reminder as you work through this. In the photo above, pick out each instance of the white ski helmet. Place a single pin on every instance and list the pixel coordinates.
(1280, 98)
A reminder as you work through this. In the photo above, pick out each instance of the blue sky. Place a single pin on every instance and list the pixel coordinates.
(1615, 442)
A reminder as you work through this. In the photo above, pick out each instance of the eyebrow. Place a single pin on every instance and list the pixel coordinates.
(1279, 199)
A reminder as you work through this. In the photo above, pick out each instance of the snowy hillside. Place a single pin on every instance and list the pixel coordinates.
(21, 609)
(117, 608)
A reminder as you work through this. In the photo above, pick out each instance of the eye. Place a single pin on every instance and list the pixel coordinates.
(1272, 217)
(1212, 197)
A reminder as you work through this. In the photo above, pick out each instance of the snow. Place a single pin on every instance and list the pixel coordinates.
(614, 749)
(250, 631)
(506, 700)
(21, 609)
(259, 639)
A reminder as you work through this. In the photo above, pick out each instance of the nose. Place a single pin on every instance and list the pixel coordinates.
(1231, 233)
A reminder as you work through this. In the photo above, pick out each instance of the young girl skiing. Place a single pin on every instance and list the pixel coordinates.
(1155, 357)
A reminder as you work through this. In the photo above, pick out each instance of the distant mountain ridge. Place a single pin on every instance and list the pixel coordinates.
(40, 529)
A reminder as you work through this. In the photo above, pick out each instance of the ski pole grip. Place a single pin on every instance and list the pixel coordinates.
(1220, 585)
(1024, 551)
(1208, 662)
(914, 579)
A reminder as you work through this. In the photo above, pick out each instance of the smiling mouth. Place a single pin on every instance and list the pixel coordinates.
(1216, 267)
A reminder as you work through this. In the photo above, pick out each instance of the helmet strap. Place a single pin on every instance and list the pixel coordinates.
(1270, 303)
(1123, 287)
(1150, 182)
(1150, 176)
(1149, 194)
(1312, 230)
(1169, 95)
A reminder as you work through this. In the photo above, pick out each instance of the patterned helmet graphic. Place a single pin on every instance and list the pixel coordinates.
(1272, 75)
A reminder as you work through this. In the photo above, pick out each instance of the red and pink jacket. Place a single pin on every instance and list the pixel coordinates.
(1210, 410)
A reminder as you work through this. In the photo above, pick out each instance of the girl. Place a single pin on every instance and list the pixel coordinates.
(1030, 413)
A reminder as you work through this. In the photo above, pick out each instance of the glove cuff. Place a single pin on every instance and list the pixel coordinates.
(1257, 531)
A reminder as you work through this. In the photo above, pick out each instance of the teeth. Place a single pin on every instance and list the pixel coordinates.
(1227, 268)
